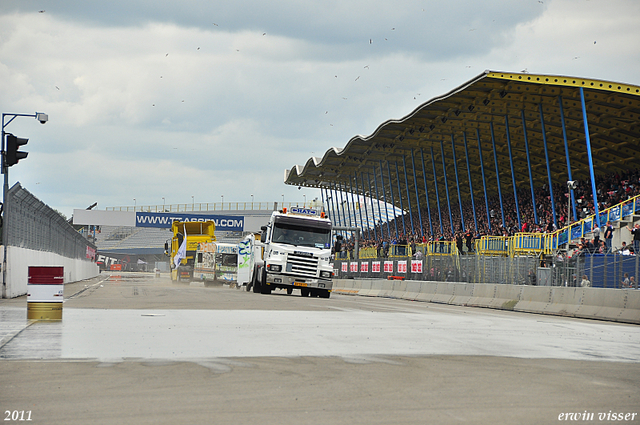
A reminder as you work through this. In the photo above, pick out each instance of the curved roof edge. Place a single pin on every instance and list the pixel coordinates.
(559, 80)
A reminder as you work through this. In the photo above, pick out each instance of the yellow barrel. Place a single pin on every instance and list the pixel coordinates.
(44, 311)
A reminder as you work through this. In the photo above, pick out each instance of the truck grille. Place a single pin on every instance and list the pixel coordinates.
(302, 265)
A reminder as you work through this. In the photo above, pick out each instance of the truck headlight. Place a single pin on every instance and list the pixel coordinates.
(326, 274)
(274, 267)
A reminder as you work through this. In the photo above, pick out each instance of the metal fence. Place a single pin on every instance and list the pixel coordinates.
(31, 224)
(602, 270)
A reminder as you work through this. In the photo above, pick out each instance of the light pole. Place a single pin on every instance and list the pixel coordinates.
(43, 118)
(134, 204)
(163, 203)
(304, 205)
(193, 203)
(282, 201)
(222, 197)
(252, 202)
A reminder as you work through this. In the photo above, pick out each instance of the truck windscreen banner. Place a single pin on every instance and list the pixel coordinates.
(224, 223)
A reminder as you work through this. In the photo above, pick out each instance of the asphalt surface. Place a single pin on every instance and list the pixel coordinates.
(136, 349)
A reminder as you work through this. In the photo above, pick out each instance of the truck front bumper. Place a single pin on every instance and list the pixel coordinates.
(283, 280)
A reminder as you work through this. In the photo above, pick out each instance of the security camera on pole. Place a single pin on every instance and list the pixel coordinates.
(11, 156)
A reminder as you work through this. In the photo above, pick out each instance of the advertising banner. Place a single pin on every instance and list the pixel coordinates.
(402, 266)
(224, 223)
(354, 267)
(416, 266)
(345, 267)
(375, 266)
(364, 267)
(388, 266)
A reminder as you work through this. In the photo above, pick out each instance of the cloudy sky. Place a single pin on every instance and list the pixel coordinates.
(210, 99)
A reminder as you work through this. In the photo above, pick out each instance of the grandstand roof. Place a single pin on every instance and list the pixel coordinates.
(486, 101)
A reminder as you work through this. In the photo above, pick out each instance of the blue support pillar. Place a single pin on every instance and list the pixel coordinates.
(366, 213)
(323, 198)
(346, 196)
(546, 155)
(334, 217)
(588, 139)
(375, 182)
(446, 188)
(526, 147)
(455, 166)
(355, 176)
(495, 159)
(435, 182)
(406, 185)
(334, 204)
(426, 193)
(484, 182)
(566, 152)
(404, 227)
(353, 204)
(393, 202)
(384, 195)
(473, 203)
(344, 216)
(513, 174)
(415, 184)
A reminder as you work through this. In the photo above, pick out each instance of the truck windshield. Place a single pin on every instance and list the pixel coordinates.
(302, 235)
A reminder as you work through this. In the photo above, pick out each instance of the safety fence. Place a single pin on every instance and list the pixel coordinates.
(600, 270)
(31, 224)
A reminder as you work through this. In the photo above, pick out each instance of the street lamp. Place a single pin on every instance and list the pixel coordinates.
(222, 197)
(134, 204)
(193, 203)
(305, 201)
(252, 201)
(43, 118)
(163, 209)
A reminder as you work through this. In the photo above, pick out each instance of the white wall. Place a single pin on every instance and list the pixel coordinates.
(19, 260)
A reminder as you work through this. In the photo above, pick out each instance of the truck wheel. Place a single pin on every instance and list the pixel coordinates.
(304, 292)
(289, 291)
(325, 293)
(265, 289)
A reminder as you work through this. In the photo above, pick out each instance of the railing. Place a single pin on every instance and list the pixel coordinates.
(527, 244)
(213, 206)
(553, 241)
(492, 245)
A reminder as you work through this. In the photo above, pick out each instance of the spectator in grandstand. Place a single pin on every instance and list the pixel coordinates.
(608, 236)
(585, 281)
(596, 234)
(635, 232)
(624, 249)
(469, 240)
(632, 282)
(625, 281)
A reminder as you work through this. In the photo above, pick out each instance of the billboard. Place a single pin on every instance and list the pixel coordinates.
(224, 223)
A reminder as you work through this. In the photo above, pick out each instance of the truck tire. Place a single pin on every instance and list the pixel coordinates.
(304, 292)
(264, 288)
(256, 281)
(324, 293)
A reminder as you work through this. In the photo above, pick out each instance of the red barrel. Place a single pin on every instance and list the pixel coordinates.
(45, 292)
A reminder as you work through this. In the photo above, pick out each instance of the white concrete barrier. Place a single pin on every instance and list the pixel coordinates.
(444, 293)
(462, 293)
(622, 305)
(483, 294)
(534, 299)
(21, 258)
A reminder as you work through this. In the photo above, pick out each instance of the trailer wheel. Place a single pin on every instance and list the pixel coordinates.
(256, 281)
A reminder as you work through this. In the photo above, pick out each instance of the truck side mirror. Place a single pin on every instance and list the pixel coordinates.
(263, 237)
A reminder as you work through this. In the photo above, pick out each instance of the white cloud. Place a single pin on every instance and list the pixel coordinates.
(126, 84)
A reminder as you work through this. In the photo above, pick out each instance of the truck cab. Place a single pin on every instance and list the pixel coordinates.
(297, 253)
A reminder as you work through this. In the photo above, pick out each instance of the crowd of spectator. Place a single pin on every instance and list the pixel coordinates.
(488, 218)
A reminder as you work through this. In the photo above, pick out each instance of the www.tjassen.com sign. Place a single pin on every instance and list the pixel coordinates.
(228, 223)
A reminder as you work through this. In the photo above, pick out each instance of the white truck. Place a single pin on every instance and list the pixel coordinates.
(296, 254)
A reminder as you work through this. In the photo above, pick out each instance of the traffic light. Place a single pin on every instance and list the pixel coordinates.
(13, 155)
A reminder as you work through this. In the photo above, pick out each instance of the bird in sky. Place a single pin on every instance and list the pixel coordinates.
(41, 11)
